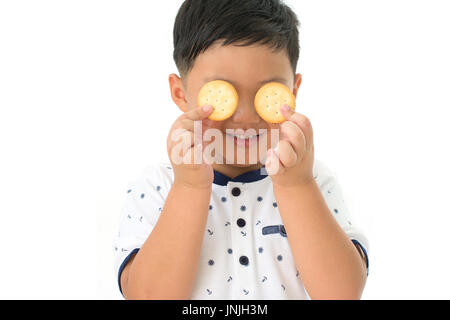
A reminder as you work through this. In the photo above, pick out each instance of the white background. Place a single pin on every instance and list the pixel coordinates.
(85, 106)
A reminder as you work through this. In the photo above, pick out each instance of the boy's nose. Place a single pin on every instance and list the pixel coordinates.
(246, 113)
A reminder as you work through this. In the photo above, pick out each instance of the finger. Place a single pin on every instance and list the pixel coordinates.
(175, 134)
(273, 165)
(193, 155)
(294, 135)
(179, 141)
(198, 113)
(187, 124)
(286, 154)
(184, 139)
(188, 141)
(198, 127)
(302, 121)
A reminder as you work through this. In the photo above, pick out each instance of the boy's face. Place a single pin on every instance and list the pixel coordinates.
(247, 69)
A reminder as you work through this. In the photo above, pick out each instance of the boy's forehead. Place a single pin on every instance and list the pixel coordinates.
(237, 64)
(232, 81)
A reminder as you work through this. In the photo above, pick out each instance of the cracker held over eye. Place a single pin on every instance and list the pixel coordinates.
(269, 100)
(222, 96)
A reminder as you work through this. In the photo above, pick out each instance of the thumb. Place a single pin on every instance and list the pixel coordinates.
(287, 111)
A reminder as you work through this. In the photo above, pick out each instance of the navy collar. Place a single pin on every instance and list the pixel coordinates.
(251, 176)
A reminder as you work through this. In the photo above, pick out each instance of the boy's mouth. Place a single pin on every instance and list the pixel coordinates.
(242, 140)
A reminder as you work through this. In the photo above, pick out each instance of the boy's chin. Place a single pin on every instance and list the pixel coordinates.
(245, 165)
(241, 164)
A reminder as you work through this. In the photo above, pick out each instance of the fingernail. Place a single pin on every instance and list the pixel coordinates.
(207, 108)
(285, 108)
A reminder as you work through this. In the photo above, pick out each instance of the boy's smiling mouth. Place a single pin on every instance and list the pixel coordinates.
(245, 139)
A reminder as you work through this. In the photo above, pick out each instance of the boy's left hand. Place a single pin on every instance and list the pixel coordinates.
(291, 162)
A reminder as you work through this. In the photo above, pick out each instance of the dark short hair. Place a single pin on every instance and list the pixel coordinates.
(200, 23)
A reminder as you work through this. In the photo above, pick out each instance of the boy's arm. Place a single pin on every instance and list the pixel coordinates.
(329, 264)
(166, 265)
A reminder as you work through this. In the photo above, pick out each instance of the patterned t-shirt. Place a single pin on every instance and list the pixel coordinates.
(245, 251)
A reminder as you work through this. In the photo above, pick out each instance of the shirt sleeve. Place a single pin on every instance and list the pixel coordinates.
(143, 204)
(333, 195)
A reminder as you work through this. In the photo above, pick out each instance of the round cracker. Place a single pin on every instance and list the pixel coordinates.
(270, 98)
(222, 96)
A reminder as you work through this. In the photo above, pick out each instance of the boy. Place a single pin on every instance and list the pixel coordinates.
(226, 230)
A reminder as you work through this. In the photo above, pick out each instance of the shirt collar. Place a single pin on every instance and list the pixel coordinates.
(251, 176)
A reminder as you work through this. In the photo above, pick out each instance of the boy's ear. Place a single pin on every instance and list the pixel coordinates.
(177, 92)
(297, 83)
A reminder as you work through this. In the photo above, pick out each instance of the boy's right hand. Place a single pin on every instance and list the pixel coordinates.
(186, 150)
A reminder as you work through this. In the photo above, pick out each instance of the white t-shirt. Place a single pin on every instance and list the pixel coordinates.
(245, 251)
